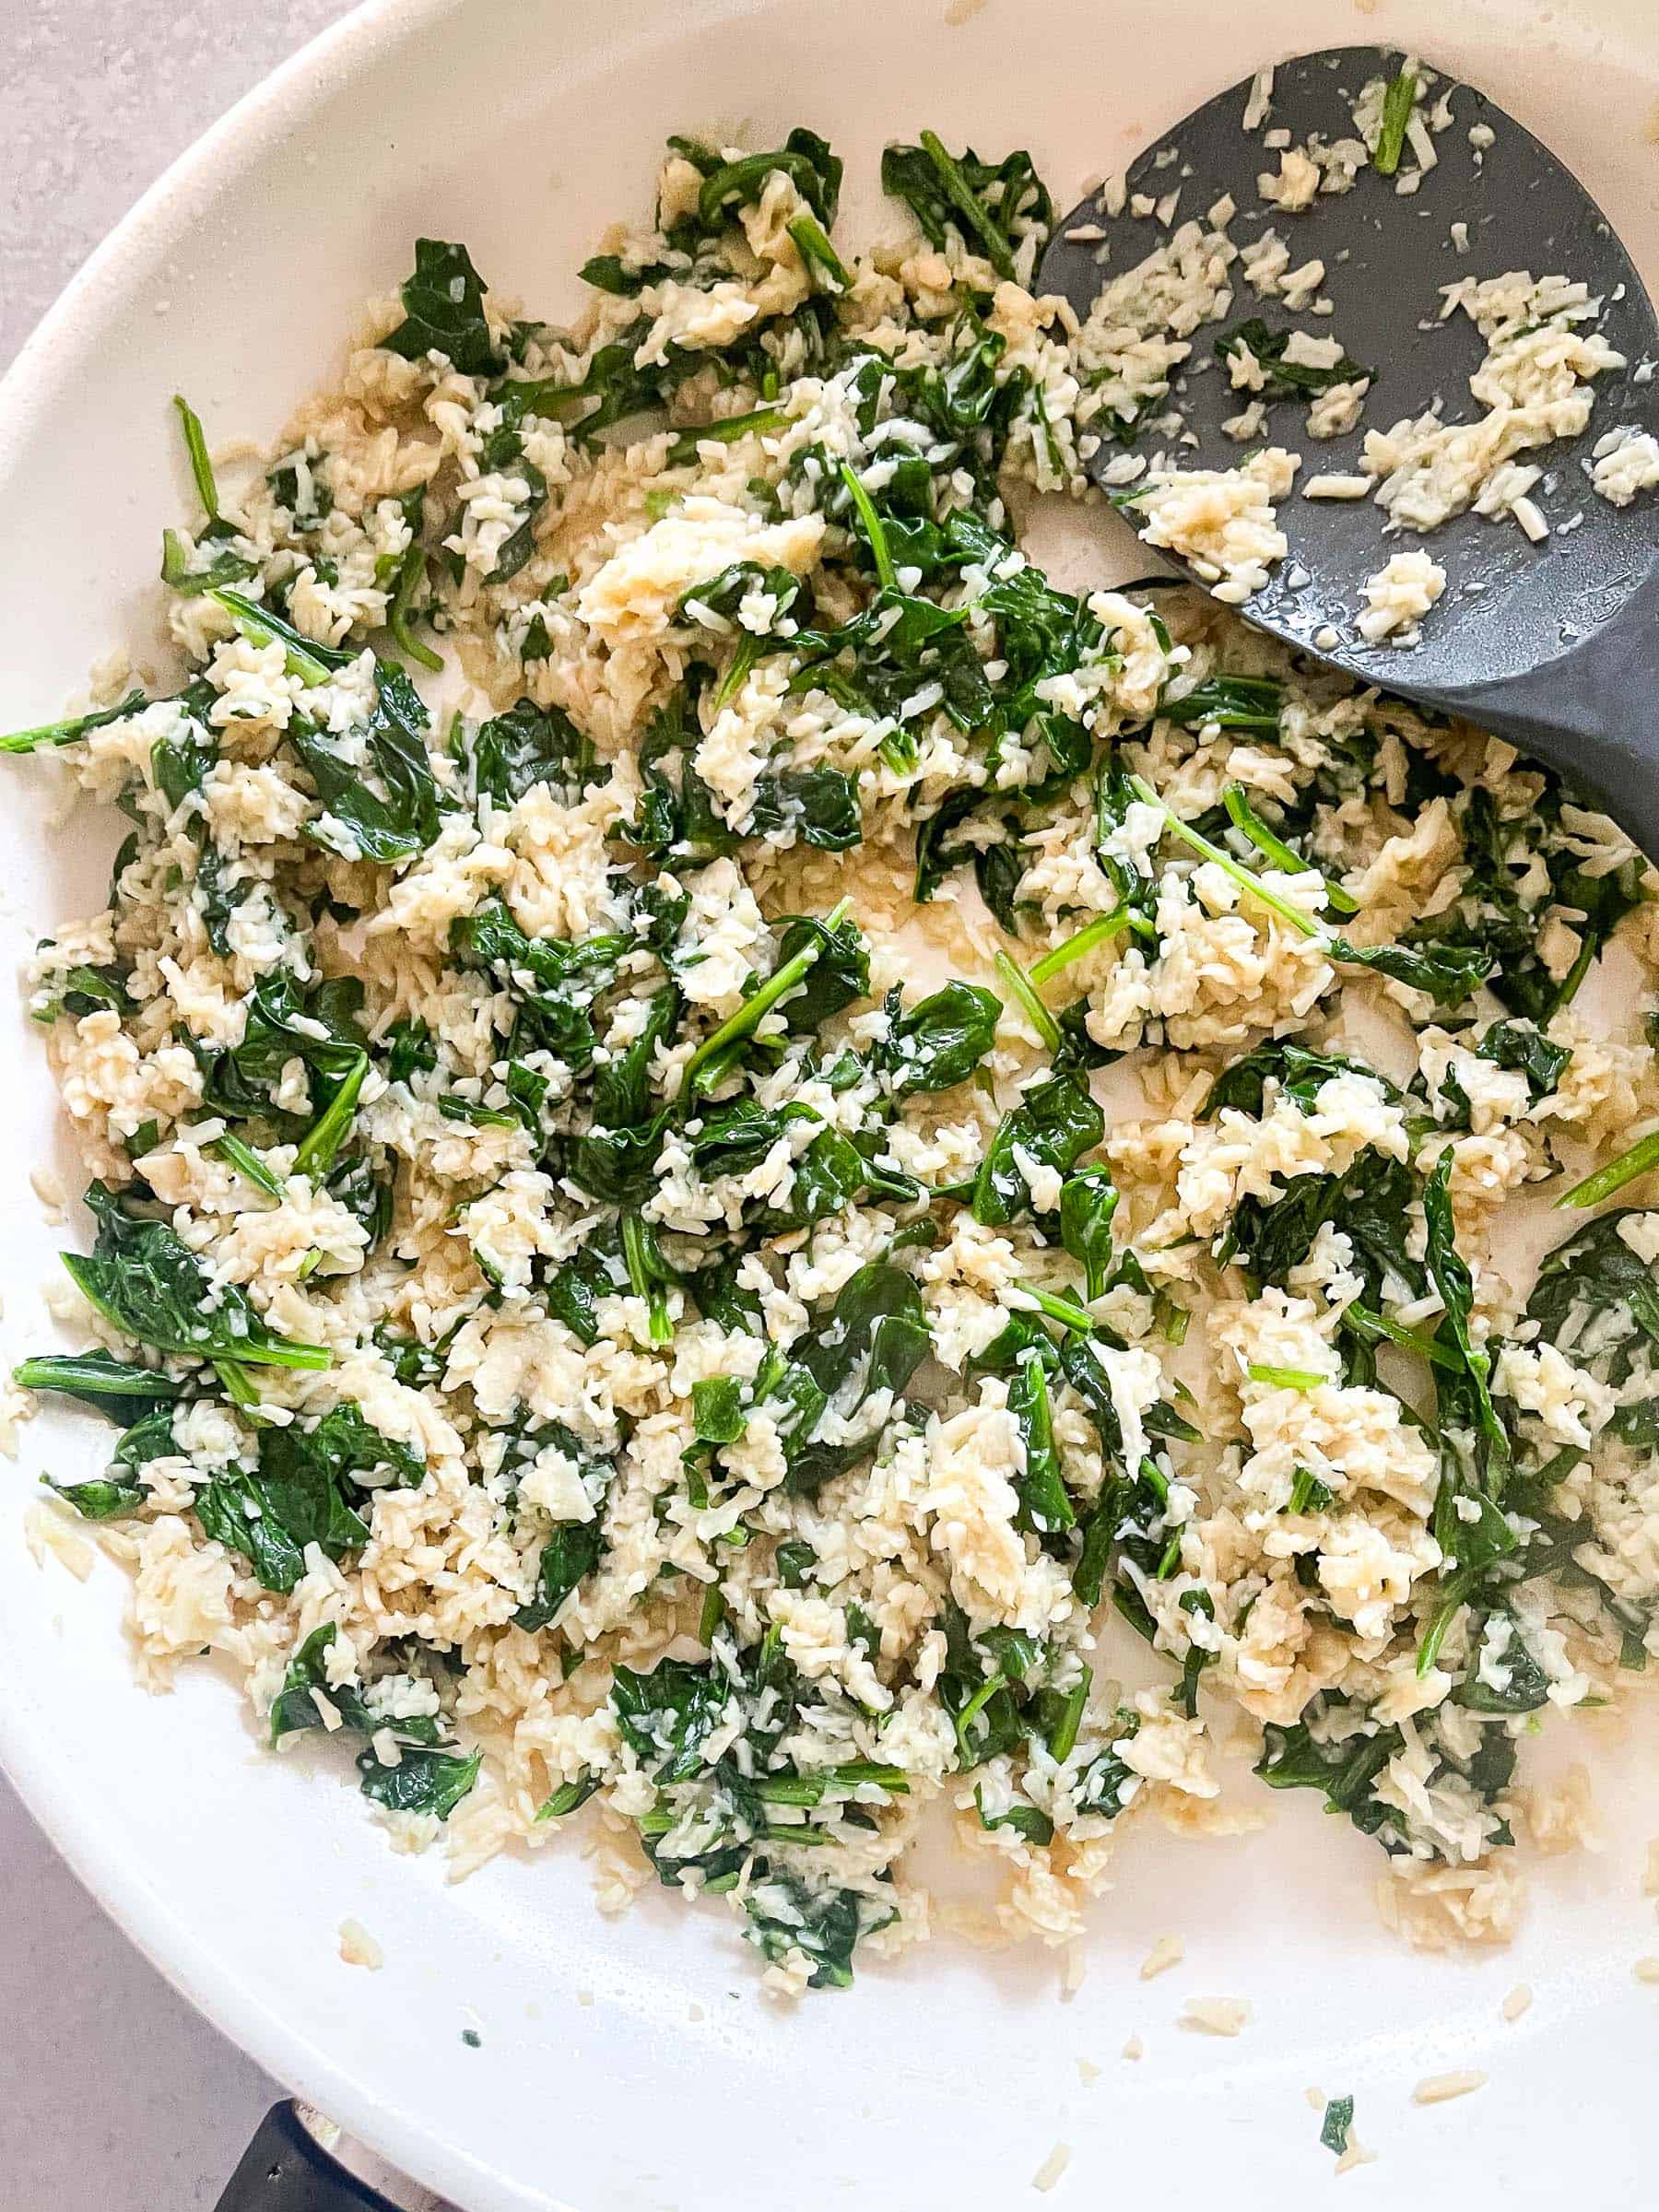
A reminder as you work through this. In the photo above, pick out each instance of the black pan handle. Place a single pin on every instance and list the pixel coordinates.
(285, 2168)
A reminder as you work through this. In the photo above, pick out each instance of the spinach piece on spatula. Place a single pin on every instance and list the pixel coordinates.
(1270, 347)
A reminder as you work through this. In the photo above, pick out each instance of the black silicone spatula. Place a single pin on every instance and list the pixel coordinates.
(1554, 645)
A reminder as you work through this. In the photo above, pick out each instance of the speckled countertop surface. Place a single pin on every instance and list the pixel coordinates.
(115, 2096)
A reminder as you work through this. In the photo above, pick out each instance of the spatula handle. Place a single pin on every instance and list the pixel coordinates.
(285, 2168)
(1592, 713)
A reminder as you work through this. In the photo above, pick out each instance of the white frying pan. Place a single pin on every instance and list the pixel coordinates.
(632, 2065)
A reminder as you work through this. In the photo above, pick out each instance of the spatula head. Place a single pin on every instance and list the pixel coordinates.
(1509, 606)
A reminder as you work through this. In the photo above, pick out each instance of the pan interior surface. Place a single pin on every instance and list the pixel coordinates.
(634, 2065)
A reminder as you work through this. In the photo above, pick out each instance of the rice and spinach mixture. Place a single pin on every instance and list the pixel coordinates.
(747, 1161)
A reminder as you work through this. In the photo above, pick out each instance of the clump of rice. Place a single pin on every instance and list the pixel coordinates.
(1398, 597)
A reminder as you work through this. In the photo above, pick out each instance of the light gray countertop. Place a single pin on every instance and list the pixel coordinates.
(115, 2095)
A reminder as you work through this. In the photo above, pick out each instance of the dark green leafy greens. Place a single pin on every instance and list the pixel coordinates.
(1338, 2122)
(425, 1777)
(1269, 347)
(513, 752)
(601, 1068)
(116, 1388)
(1054, 1122)
(149, 1285)
(306, 1489)
(443, 309)
(385, 809)
(988, 204)
(940, 1040)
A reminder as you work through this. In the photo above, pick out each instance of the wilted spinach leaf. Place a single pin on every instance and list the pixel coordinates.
(421, 1781)
(839, 976)
(1520, 1046)
(819, 805)
(387, 810)
(295, 1705)
(873, 1339)
(982, 201)
(1447, 972)
(666, 1716)
(824, 1924)
(149, 1285)
(1298, 1073)
(283, 1018)
(1370, 1202)
(1342, 1771)
(116, 1388)
(573, 1551)
(1284, 376)
(621, 1094)
(304, 1492)
(1044, 1505)
(803, 158)
(1088, 1201)
(1595, 1299)
(1053, 1123)
(554, 982)
(101, 1499)
(510, 755)
(940, 1040)
(443, 307)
